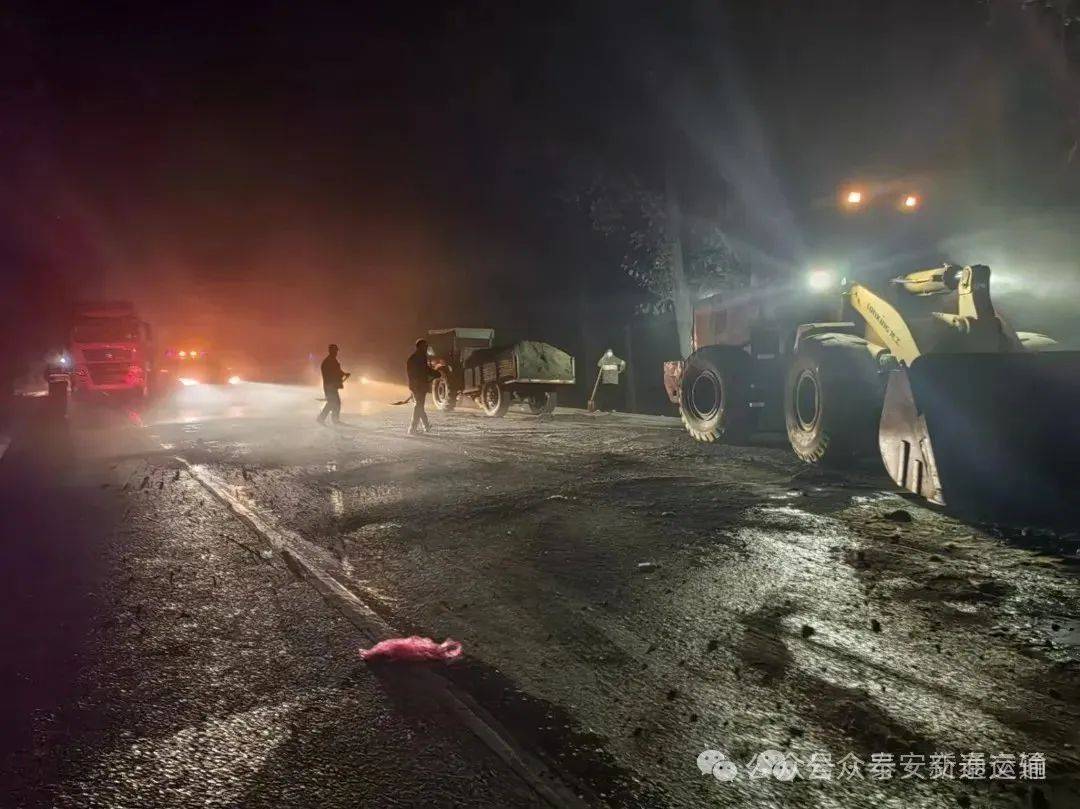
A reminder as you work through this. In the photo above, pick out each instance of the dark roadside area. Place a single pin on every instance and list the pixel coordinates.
(51, 573)
(154, 655)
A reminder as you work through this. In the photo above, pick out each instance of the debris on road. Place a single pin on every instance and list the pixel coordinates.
(645, 567)
(413, 649)
(899, 515)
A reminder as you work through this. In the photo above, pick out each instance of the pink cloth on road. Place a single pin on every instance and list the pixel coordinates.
(412, 650)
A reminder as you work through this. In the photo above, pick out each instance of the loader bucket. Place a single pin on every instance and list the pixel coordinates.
(994, 435)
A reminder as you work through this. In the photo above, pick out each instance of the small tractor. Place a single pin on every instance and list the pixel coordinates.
(963, 410)
(469, 364)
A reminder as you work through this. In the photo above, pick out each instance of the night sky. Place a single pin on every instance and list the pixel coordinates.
(274, 176)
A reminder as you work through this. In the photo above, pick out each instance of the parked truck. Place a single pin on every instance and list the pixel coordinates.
(470, 364)
(110, 349)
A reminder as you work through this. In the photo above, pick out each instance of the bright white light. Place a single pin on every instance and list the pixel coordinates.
(820, 280)
(364, 380)
(187, 382)
(911, 202)
(854, 197)
(235, 380)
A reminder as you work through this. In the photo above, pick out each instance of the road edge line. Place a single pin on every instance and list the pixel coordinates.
(541, 778)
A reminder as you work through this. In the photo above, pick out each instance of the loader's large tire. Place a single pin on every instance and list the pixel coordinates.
(443, 395)
(494, 399)
(832, 400)
(713, 400)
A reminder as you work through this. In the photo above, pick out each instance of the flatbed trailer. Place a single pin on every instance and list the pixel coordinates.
(530, 372)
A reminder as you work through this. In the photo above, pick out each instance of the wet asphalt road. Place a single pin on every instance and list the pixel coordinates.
(627, 599)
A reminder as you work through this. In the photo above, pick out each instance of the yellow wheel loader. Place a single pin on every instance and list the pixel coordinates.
(965, 411)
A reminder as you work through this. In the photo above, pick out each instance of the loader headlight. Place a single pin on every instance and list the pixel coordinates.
(821, 279)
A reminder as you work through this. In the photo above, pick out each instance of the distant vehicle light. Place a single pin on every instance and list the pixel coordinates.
(854, 197)
(193, 353)
(820, 279)
(187, 382)
(911, 202)
(364, 380)
(181, 354)
(235, 380)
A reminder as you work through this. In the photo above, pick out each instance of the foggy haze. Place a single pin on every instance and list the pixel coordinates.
(272, 179)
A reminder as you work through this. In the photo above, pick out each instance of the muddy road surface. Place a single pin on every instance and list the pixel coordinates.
(646, 621)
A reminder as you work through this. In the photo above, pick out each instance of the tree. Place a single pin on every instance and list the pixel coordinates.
(1058, 23)
(675, 258)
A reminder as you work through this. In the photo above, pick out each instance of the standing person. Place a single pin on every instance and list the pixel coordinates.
(420, 376)
(333, 380)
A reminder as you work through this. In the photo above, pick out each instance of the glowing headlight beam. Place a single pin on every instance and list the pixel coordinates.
(820, 279)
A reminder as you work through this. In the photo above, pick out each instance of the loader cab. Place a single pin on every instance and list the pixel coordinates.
(724, 319)
(763, 325)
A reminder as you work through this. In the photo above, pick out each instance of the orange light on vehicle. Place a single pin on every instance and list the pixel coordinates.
(852, 198)
(181, 353)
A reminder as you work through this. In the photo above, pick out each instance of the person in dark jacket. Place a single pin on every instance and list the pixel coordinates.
(333, 380)
(420, 375)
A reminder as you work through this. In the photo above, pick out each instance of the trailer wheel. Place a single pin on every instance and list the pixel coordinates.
(542, 403)
(712, 395)
(442, 394)
(494, 399)
(832, 401)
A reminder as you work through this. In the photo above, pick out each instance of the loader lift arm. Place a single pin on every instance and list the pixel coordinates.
(974, 327)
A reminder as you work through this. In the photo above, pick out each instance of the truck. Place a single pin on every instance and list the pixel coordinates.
(187, 367)
(109, 349)
(962, 409)
(469, 363)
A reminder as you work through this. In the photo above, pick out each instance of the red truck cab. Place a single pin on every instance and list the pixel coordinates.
(111, 349)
